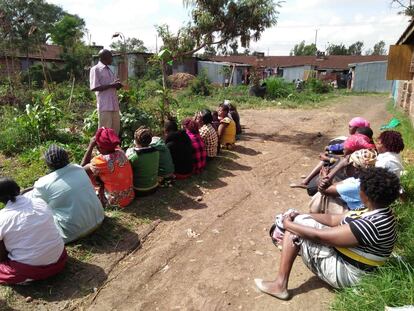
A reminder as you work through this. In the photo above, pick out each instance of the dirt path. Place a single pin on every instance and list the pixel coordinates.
(215, 269)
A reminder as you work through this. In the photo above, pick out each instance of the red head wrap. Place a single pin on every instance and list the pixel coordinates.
(106, 138)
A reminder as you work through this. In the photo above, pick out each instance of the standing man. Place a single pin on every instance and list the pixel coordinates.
(104, 83)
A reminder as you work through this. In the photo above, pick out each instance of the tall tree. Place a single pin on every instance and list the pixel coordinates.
(303, 49)
(406, 7)
(356, 48)
(220, 23)
(337, 49)
(379, 48)
(130, 45)
(68, 33)
(27, 23)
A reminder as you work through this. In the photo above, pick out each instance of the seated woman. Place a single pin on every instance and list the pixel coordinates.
(227, 128)
(31, 247)
(144, 160)
(166, 164)
(68, 191)
(340, 249)
(216, 122)
(199, 150)
(356, 141)
(353, 126)
(234, 115)
(208, 133)
(339, 197)
(389, 146)
(180, 148)
(110, 170)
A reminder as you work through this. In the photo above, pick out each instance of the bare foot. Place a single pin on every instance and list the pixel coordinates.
(272, 288)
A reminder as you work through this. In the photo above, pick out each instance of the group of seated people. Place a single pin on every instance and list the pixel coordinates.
(350, 229)
(68, 203)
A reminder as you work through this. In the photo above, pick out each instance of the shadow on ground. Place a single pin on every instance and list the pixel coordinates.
(309, 142)
(186, 194)
(77, 280)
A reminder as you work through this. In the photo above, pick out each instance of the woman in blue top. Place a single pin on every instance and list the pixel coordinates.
(68, 191)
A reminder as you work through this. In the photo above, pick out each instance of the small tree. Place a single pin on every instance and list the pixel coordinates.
(68, 33)
(379, 48)
(356, 48)
(302, 49)
(337, 49)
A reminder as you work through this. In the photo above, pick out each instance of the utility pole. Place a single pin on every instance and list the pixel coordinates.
(156, 44)
(316, 36)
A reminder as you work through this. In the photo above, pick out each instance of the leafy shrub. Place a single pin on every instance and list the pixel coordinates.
(39, 122)
(132, 119)
(42, 117)
(318, 86)
(201, 85)
(90, 123)
(278, 88)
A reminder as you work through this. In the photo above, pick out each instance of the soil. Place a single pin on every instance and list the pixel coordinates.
(213, 240)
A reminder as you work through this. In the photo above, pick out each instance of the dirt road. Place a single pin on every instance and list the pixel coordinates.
(214, 269)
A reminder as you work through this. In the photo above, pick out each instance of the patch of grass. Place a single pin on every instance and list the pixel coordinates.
(393, 284)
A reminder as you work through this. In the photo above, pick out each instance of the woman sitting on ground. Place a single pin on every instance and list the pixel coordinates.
(199, 150)
(389, 146)
(361, 138)
(342, 196)
(234, 115)
(354, 124)
(166, 164)
(110, 170)
(208, 133)
(31, 247)
(144, 160)
(180, 148)
(227, 128)
(340, 249)
(68, 191)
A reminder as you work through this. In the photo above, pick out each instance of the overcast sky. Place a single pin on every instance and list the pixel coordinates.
(337, 21)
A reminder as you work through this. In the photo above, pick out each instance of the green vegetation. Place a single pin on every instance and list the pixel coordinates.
(393, 285)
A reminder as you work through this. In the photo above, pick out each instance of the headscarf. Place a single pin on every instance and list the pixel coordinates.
(363, 158)
(358, 141)
(56, 157)
(359, 122)
(106, 138)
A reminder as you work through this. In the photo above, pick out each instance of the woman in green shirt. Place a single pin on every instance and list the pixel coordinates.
(144, 160)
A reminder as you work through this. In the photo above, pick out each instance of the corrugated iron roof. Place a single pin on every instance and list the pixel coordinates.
(328, 62)
(49, 52)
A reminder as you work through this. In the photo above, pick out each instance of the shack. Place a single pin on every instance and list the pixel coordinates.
(371, 77)
(224, 73)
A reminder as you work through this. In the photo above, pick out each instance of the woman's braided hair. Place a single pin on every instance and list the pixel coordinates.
(143, 136)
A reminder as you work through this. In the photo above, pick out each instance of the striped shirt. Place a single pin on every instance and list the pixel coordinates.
(375, 232)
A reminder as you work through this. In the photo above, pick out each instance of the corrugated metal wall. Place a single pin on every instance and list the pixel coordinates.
(371, 77)
(214, 72)
(293, 73)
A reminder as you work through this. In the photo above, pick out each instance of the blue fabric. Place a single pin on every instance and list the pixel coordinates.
(349, 192)
(69, 193)
(336, 147)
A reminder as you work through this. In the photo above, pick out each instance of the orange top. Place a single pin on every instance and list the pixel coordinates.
(115, 171)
